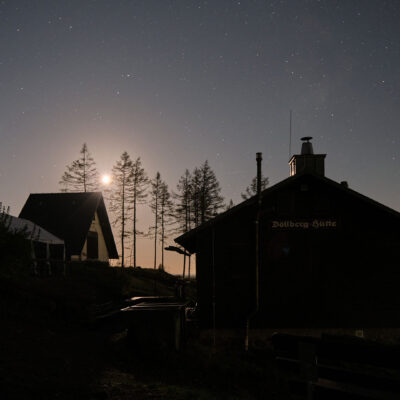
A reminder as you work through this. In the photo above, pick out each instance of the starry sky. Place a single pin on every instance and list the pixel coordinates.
(177, 82)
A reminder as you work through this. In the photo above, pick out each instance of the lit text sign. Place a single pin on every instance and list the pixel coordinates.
(311, 224)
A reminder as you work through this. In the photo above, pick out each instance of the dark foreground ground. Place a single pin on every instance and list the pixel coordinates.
(80, 364)
(49, 348)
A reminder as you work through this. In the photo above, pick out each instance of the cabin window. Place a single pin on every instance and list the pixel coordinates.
(92, 246)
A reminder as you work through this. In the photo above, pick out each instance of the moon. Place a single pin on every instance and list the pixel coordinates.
(106, 179)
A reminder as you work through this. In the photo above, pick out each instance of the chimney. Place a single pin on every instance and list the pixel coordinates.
(307, 161)
(306, 146)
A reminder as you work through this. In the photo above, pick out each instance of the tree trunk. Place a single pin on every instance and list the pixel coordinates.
(155, 234)
(123, 223)
(134, 232)
(84, 171)
(162, 241)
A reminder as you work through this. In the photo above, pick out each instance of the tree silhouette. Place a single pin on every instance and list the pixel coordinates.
(195, 197)
(251, 190)
(139, 184)
(206, 194)
(184, 199)
(155, 194)
(229, 205)
(81, 175)
(166, 213)
(121, 197)
(183, 207)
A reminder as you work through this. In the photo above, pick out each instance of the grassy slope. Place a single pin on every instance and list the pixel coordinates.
(50, 351)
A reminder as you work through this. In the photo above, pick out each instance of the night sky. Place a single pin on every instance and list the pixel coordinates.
(179, 82)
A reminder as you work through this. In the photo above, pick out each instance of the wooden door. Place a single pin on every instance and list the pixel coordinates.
(92, 246)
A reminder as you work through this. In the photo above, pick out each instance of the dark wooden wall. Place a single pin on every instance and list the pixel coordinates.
(347, 276)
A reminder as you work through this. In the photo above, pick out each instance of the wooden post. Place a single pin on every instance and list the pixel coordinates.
(308, 365)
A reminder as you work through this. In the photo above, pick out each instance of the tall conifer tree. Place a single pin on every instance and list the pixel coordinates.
(81, 175)
(183, 202)
(195, 197)
(140, 183)
(206, 196)
(121, 197)
(183, 207)
(155, 193)
(166, 212)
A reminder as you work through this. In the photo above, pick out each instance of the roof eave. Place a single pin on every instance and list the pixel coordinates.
(186, 240)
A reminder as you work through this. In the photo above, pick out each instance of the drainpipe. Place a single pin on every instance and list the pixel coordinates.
(257, 250)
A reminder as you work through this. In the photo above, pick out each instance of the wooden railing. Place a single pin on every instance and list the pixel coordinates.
(337, 367)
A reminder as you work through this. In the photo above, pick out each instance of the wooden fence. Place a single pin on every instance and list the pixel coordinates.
(334, 367)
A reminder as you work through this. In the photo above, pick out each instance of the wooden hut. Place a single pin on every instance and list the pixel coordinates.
(327, 256)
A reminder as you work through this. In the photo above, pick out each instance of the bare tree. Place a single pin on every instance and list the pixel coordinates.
(251, 190)
(155, 193)
(166, 213)
(121, 197)
(81, 175)
(140, 183)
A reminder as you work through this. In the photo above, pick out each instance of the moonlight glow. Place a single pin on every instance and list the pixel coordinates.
(106, 179)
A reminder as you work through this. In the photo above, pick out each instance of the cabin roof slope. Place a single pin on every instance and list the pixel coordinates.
(69, 216)
(278, 186)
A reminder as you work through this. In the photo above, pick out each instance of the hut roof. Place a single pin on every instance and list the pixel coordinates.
(187, 239)
(69, 216)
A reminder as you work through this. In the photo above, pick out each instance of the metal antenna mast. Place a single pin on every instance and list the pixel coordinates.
(290, 134)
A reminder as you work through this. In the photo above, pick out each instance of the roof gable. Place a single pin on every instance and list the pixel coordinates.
(286, 183)
(69, 216)
(106, 228)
